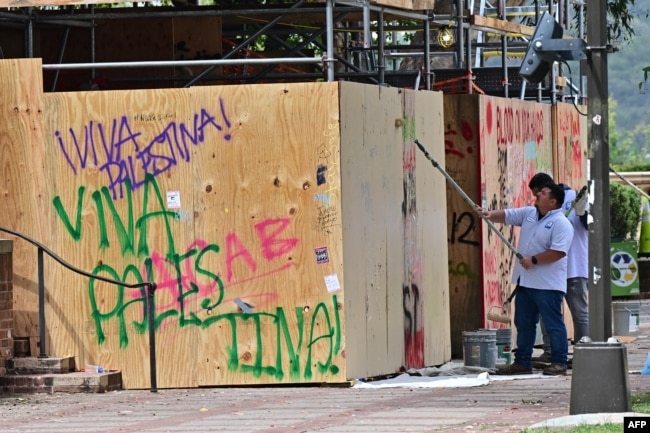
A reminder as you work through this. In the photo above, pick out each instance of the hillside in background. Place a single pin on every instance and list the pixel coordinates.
(625, 73)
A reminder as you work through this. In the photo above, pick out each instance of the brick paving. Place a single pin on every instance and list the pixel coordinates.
(501, 406)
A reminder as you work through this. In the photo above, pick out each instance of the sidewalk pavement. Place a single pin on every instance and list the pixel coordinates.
(500, 406)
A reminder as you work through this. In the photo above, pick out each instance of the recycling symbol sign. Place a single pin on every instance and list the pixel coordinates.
(624, 268)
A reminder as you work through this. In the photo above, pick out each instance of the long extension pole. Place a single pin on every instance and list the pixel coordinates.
(469, 200)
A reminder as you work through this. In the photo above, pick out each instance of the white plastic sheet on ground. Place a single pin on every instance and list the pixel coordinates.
(450, 375)
(407, 381)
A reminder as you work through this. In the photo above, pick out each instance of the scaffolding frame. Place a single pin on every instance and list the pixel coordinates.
(364, 27)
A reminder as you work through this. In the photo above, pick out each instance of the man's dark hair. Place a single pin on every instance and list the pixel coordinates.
(556, 192)
(539, 181)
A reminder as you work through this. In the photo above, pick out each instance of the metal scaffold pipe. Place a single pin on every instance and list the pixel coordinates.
(163, 63)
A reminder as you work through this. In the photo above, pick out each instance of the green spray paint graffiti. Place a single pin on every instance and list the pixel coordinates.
(328, 339)
(187, 280)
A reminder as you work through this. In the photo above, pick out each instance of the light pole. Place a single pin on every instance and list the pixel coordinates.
(600, 295)
(600, 358)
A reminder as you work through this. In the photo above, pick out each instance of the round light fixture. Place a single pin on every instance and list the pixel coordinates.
(445, 38)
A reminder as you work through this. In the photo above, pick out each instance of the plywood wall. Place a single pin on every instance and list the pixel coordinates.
(571, 158)
(370, 159)
(396, 274)
(516, 143)
(570, 135)
(255, 209)
(426, 237)
(493, 147)
(296, 233)
(24, 182)
(214, 194)
(462, 136)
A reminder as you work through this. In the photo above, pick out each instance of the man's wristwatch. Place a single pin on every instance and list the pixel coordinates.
(534, 260)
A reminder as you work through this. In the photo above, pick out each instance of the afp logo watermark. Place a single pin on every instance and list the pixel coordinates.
(636, 424)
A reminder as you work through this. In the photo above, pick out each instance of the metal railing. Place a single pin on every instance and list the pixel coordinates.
(151, 288)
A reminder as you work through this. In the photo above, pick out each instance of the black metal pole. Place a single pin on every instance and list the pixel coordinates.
(427, 54)
(611, 361)
(151, 288)
(504, 50)
(600, 296)
(42, 353)
(381, 58)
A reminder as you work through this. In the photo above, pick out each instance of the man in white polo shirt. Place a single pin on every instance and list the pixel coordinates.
(540, 277)
(577, 297)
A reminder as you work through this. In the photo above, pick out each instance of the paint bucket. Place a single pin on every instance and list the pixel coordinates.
(504, 346)
(480, 348)
(625, 318)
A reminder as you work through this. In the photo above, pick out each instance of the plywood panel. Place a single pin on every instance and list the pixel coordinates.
(371, 160)
(571, 159)
(431, 262)
(413, 288)
(382, 155)
(392, 200)
(354, 198)
(116, 168)
(225, 210)
(462, 133)
(269, 198)
(515, 143)
(570, 138)
(24, 180)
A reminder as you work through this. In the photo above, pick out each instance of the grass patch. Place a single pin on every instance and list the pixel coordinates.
(603, 428)
(640, 404)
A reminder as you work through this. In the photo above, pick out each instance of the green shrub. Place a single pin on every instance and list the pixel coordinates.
(632, 167)
(624, 211)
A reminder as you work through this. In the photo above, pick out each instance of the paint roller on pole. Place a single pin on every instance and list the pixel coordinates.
(574, 205)
(492, 315)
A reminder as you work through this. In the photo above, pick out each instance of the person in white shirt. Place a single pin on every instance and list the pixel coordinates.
(540, 277)
(577, 296)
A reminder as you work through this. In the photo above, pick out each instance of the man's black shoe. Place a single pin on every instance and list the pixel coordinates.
(513, 369)
(555, 370)
(542, 361)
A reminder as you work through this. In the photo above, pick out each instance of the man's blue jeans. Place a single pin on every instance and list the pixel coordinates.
(577, 298)
(530, 305)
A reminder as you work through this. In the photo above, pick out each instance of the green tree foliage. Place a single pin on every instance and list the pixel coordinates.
(627, 148)
(621, 15)
(624, 211)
